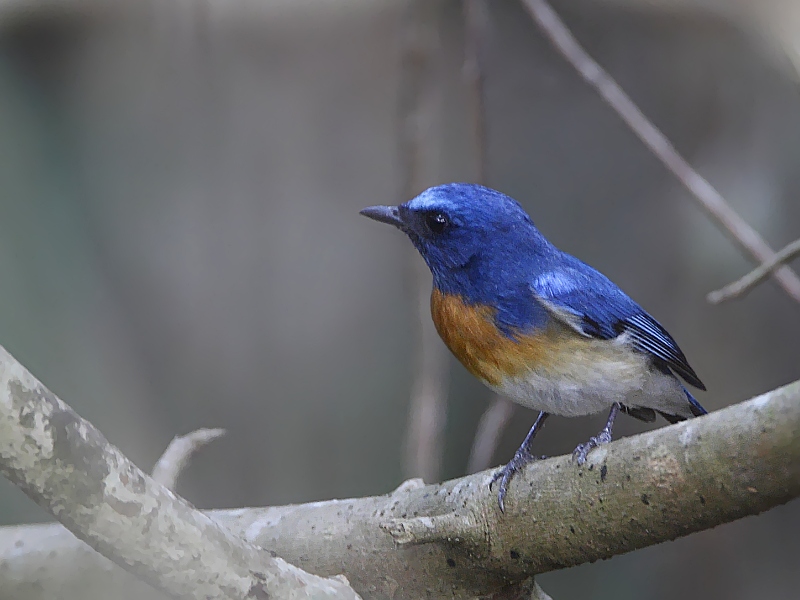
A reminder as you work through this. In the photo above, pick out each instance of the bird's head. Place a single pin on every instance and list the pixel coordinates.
(460, 226)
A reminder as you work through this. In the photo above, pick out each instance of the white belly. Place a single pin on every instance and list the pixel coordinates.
(586, 383)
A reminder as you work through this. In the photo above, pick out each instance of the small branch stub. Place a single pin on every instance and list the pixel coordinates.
(178, 454)
(450, 527)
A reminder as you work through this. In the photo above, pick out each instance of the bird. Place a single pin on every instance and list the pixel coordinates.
(535, 323)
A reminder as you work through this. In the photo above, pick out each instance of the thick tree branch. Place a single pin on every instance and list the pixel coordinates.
(68, 467)
(449, 540)
(709, 198)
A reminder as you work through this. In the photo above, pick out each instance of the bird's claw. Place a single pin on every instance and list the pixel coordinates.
(504, 474)
(580, 453)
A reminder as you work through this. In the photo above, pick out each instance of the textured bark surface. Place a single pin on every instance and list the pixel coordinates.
(68, 467)
(450, 540)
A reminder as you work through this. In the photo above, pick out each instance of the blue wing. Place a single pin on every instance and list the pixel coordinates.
(593, 304)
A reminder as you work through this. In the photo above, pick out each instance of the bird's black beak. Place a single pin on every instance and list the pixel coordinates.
(385, 214)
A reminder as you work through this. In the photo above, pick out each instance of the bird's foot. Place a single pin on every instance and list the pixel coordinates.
(580, 453)
(504, 474)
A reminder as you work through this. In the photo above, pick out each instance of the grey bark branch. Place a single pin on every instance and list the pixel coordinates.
(66, 465)
(740, 287)
(449, 539)
(177, 455)
(709, 198)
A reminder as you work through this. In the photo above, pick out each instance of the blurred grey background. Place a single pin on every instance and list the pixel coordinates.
(180, 245)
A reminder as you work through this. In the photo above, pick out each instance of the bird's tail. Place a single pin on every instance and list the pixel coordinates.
(696, 409)
(694, 406)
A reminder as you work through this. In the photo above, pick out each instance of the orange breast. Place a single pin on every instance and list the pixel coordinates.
(472, 336)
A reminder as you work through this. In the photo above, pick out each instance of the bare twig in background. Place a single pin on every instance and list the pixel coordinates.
(634, 492)
(487, 437)
(424, 444)
(476, 31)
(741, 286)
(418, 146)
(66, 465)
(476, 28)
(709, 198)
(180, 450)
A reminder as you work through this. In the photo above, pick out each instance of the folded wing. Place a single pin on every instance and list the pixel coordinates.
(589, 302)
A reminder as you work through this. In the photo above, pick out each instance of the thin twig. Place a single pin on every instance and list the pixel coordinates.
(709, 198)
(418, 147)
(741, 286)
(179, 452)
(487, 437)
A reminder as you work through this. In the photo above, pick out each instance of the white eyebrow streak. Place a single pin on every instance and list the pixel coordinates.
(432, 198)
(424, 200)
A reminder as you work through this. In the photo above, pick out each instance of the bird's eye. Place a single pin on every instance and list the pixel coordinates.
(437, 222)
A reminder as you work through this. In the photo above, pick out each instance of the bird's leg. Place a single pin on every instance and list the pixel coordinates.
(601, 438)
(521, 458)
